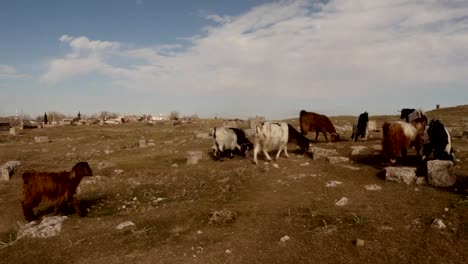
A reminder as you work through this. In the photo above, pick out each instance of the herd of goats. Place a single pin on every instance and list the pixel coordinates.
(60, 187)
(397, 136)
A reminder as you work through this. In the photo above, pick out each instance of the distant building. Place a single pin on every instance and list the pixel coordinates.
(5, 124)
(159, 118)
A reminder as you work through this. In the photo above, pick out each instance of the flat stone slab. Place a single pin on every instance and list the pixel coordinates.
(7, 169)
(400, 174)
(440, 173)
(334, 160)
(41, 139)
(194, 156)
(373, 187)
(321, 153)
(356, 150)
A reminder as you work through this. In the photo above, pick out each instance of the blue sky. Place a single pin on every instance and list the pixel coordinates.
(232, 58)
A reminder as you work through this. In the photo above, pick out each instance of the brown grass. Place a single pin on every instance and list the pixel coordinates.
(269, 202)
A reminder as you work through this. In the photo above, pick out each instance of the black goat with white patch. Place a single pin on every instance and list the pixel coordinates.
(360, 127)
(405, 112)
(229, 141)
(440, 142)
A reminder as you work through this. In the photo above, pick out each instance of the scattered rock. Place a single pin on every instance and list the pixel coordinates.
(400, 174)
(342, 202)
(304, 164)
(440, 173)
(168, 142)
(204, 135)
(356, 150)
(228, 251)
(91, 180)
(438, 224)
(465, 134)
(421, 181)
(142, 143)
(351, 167)
(446, 209)
(334, 160)
(41, 139)
(125, 224)
(151, 144)
(175, 165)
(359, 242)
(418, 222)
(107, 152)
(285, 238)
(377, 147)
(49, 227)
(7, 169)
(13, 131)
(332, 183)
(344, 128)
(276, 165)
(386, 228)
(222, 217)
(194, 156)
(373, 187)
(321, 153)
(158, 200)
(118, 172)
(372, 126)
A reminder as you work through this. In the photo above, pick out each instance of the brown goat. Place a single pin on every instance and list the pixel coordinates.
(53, 186)
(319, 123)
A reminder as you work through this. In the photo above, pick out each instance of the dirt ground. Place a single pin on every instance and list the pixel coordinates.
(171, 202)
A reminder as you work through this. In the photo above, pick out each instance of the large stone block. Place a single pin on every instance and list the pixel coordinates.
(321, 153)
(41, 139)
(440, 173)
(194, 156)
(400, 174)
(334, 160)
(7, 169)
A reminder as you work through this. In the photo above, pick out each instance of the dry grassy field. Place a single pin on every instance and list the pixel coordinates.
(170, 202)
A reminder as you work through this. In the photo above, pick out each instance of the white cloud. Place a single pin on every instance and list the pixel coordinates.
(10, 72)
(219, 19)
(297, 48)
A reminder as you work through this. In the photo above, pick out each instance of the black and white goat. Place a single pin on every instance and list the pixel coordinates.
(229, 141)
(440, 142)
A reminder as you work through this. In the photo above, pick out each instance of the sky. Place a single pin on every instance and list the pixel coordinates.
(232, 59)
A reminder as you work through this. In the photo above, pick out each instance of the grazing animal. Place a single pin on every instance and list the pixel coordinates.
(228, 141)
(361, 127)
(53, 186)
(440, 142)
(296, 137)
(405, 112)
(271, 136)
(397, 138)
(275, 136)
(319, 123)
(417, 116)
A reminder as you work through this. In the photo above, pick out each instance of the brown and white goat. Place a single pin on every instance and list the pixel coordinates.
(52, 186)
(398, 137)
